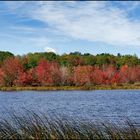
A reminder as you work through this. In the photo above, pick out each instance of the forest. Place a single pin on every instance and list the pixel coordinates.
(73, 69)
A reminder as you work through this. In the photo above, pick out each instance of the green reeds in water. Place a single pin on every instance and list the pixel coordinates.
(34, 126)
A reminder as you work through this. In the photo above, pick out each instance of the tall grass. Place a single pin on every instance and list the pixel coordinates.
(34, 126)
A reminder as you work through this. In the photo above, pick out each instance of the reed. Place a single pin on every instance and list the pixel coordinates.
(40, 126)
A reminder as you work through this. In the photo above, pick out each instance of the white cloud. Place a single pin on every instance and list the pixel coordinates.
(48, 49)
(91, 21)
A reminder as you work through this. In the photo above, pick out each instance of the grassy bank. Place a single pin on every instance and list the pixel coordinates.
(55, 88)
(33, 126)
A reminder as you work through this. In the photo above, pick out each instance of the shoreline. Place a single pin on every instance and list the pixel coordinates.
(70, 88)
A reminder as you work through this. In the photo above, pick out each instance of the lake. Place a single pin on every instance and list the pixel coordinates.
(110, 105)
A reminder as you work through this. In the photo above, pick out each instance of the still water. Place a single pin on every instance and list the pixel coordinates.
(90, 105)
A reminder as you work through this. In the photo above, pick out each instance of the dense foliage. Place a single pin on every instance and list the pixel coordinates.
(74, 69)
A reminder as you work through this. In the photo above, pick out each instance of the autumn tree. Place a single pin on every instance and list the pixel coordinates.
(108, 75)
(1, 77)
(55, 73)
(130, 74)
(11, 68)
(65, 75)
(43, 72)
(82, 75)
(96, 76)
(27, 78)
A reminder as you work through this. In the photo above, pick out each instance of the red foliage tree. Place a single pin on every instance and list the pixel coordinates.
(130, 74)
(110, 75)
(96, 76)
(82, 75)
(105, 76)
(116, 78)
(1, 77)
(12, 69)
(124, 74)
(43, 72)
(27, 78)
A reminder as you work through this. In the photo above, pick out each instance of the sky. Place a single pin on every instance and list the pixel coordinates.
(69, 26)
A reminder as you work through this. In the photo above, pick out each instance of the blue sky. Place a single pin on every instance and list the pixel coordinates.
(63, 27)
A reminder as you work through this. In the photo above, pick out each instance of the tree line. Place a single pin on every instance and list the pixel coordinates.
(73, 69)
